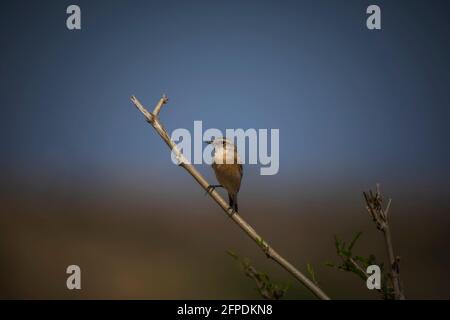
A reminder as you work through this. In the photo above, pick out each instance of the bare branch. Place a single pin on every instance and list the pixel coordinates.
(357, 267)
(153, 119)
(161, 102)
(380, 216)
(386, 211)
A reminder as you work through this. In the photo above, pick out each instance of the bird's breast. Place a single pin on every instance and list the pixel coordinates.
(228, 175)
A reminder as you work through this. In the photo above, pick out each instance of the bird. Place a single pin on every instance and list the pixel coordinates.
(227, 168)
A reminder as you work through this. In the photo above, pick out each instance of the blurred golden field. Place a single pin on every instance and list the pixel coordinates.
(136, 244)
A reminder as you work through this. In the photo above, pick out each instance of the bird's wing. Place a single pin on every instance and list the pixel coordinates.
(241, 169)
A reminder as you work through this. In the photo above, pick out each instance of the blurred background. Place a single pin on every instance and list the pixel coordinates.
(84, 180)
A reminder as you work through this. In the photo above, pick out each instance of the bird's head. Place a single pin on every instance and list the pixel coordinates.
(221, 142)
(225, 151)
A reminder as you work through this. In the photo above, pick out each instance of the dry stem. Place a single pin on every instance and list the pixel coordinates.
(380, 217)
(153, 119)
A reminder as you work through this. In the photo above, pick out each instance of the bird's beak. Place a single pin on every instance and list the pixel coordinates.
(207, 142)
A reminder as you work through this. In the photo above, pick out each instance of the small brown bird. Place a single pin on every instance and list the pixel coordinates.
(228, 169)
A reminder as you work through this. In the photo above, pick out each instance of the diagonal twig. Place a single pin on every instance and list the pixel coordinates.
(153, 119)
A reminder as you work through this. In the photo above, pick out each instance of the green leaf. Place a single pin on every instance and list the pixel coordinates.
(311, 272)
(232, 254)
(355, 238)
(266, 288)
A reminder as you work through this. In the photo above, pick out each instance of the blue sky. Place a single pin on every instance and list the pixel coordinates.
(351, 104)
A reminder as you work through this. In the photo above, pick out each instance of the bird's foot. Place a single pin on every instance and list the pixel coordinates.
(231, 211)
(212, 187)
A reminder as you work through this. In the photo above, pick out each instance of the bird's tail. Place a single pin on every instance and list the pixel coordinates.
(233, 201)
